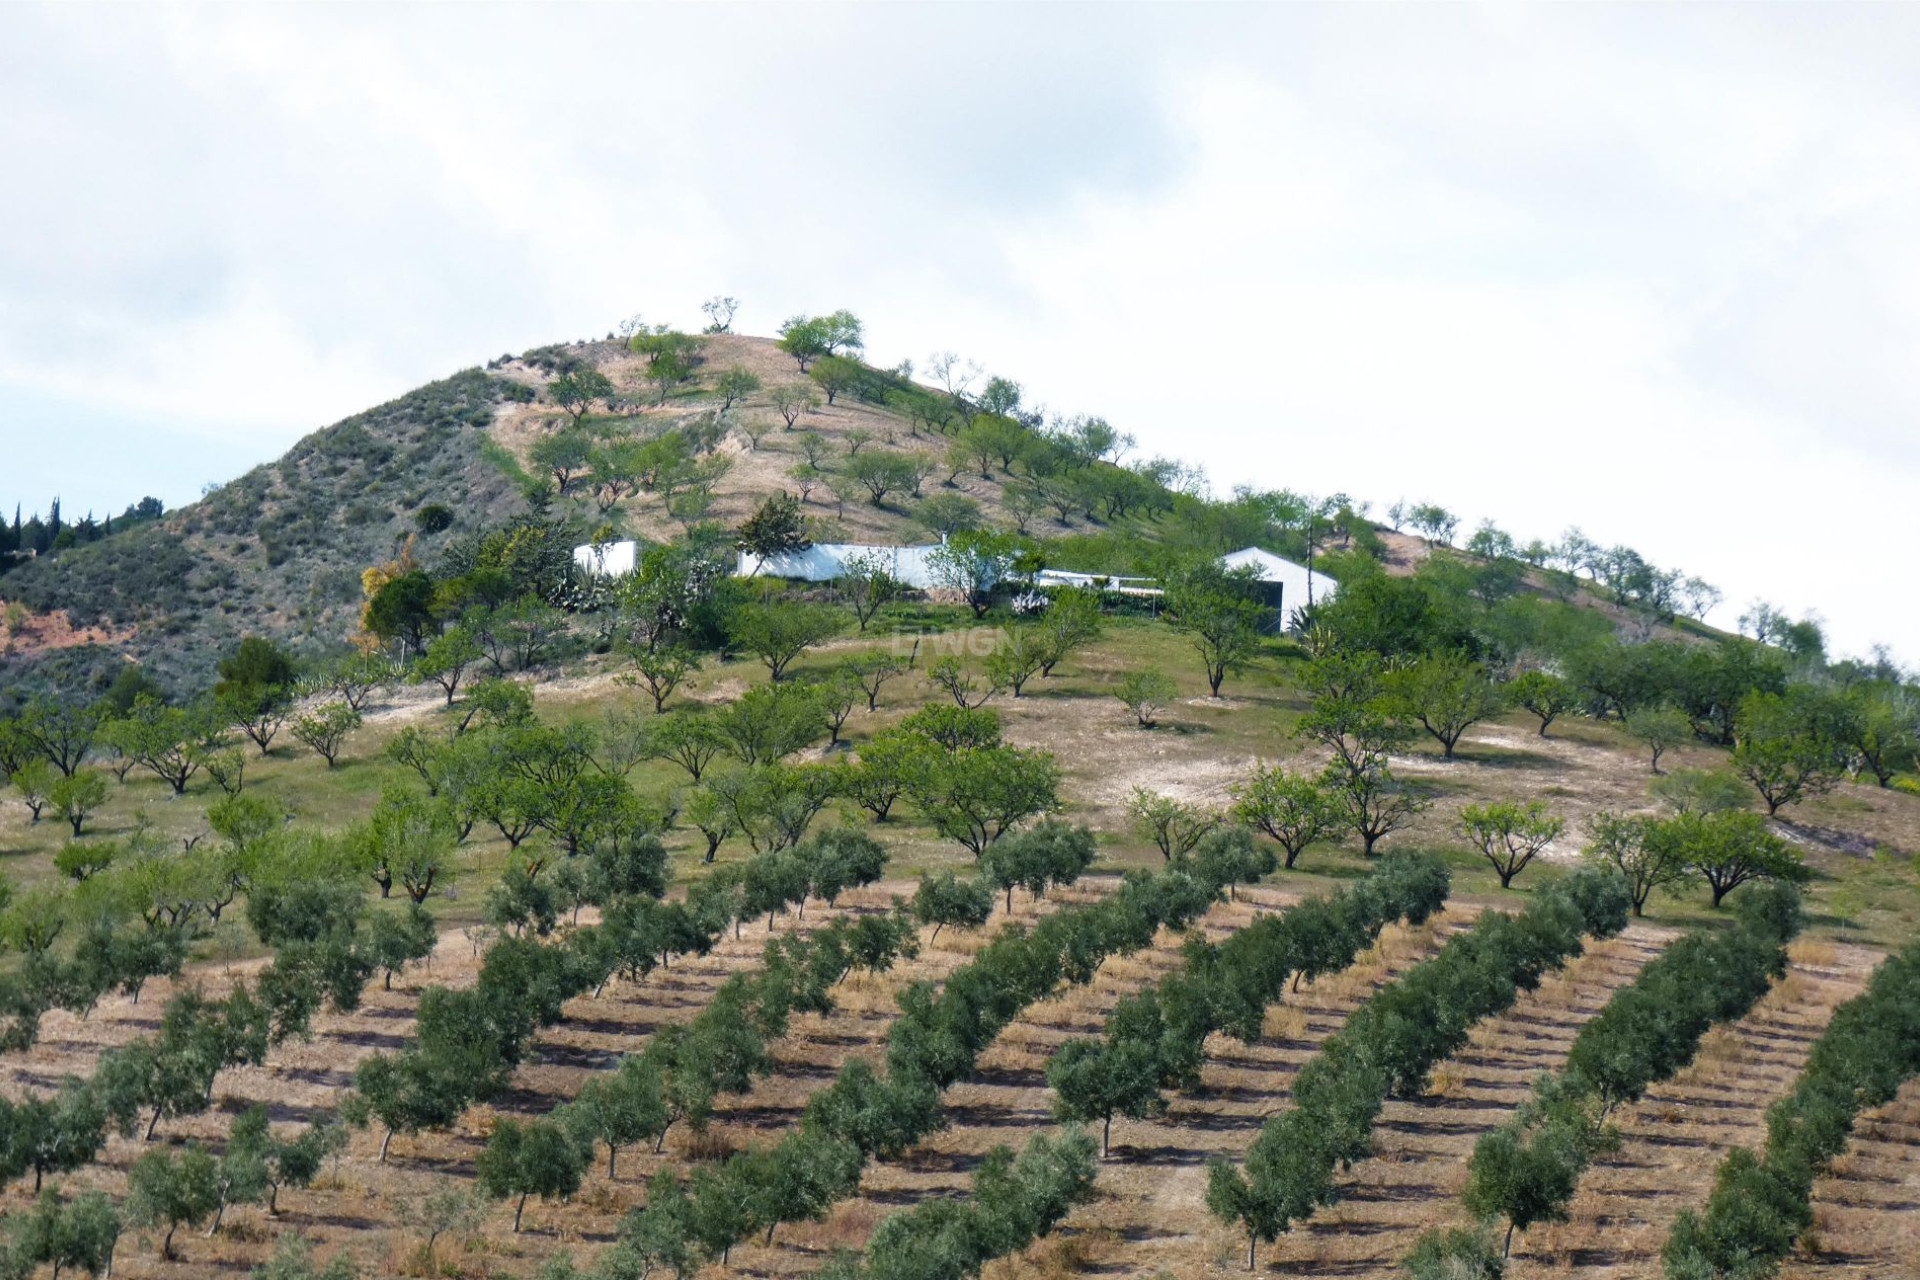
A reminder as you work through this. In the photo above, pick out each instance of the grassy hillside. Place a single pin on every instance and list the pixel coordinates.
(279, 551)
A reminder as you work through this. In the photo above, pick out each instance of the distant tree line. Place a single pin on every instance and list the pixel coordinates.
(37, 535)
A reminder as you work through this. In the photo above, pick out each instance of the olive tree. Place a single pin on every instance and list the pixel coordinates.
(1120, 1075)
(530, 1158)
(948, 900)
(168, 1191)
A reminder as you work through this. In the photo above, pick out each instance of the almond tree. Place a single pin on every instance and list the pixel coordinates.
(1510, 835)
(1640, 849)
(778, 634)
(326, 730)
(1293, 809)
(1544, 694)
(867, 583)
(1445, 694)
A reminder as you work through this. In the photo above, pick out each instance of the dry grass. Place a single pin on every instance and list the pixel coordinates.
(354, 1204)
(1675, 1138)
(756, 470)
(1867, 1209)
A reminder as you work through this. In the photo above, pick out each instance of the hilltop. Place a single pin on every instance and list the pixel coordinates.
(280, 550)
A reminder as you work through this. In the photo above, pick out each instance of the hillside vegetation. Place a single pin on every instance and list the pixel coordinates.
(383, 896)
(277, 551)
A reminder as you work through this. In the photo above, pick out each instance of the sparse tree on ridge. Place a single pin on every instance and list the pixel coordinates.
(790, 401)
(720, 310)
(576, 391)
(834, 374)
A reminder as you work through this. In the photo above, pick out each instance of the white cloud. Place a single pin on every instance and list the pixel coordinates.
(1652, 272)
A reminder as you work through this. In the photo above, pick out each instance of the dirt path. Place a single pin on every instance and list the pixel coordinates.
(1423, 1145)
(1866, 1212)
(1150, 1213)
(1674, 1139)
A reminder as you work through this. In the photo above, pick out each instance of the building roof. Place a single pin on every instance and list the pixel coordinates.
(1269, 567)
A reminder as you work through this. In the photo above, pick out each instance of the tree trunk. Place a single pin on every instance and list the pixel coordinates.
(218, 1214)
(1506, 1249)
(519, 1209)
(384, 1144)
(153, 1124)
(1252, 1241)
(1106, 1136)
(613, 1153)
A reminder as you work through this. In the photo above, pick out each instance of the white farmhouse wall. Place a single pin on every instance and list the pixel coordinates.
(825, 561)
(1290, 577)
(608, 560)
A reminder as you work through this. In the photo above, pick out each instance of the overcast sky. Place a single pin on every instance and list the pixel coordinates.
(1650, 271)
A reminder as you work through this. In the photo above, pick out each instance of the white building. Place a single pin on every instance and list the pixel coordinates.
(1097, 582)
(825, 561)
(1291, 585)
(606, 559)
